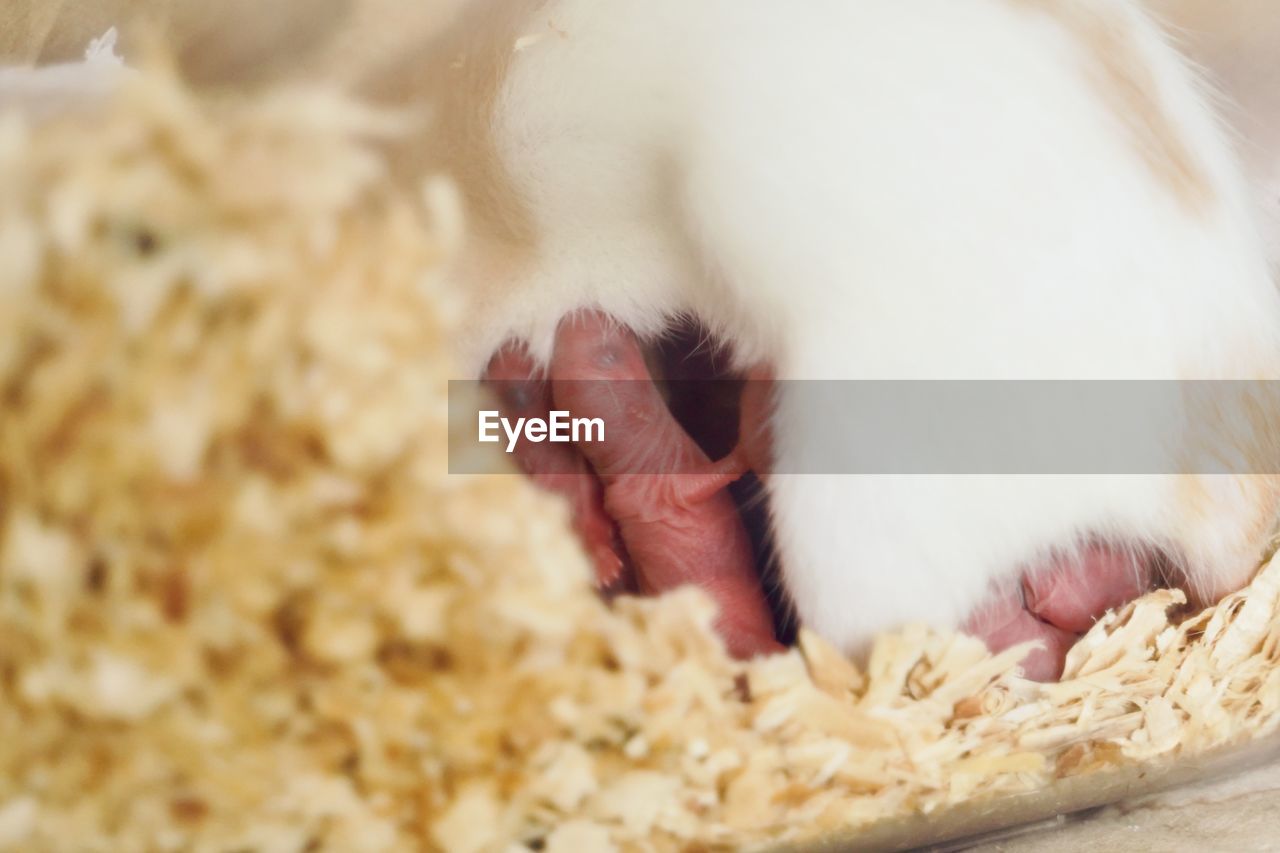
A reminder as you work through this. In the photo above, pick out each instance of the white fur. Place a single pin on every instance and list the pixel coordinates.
(889, 189)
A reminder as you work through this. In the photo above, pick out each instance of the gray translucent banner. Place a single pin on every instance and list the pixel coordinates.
(900, 427)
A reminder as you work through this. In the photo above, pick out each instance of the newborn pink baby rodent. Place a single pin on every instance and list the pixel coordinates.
(887, 189)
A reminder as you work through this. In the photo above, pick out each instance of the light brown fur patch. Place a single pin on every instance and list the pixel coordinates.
(1237, 430)
(1126, 82)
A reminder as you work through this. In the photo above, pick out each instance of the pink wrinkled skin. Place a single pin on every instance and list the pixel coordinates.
(650, 532)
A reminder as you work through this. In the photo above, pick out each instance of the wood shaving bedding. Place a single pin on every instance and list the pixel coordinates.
(242, 605)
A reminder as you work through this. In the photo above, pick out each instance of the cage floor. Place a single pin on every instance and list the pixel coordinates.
(1234, 813)
(1226, 800)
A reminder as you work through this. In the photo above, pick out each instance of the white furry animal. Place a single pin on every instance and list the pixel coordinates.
(858, 189)
(944, 189)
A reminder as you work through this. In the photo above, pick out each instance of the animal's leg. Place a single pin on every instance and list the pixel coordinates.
(670, 502)
(559, 468)
(1058, 600)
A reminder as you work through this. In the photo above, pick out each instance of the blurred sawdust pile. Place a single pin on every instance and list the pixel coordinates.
(242, 605)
